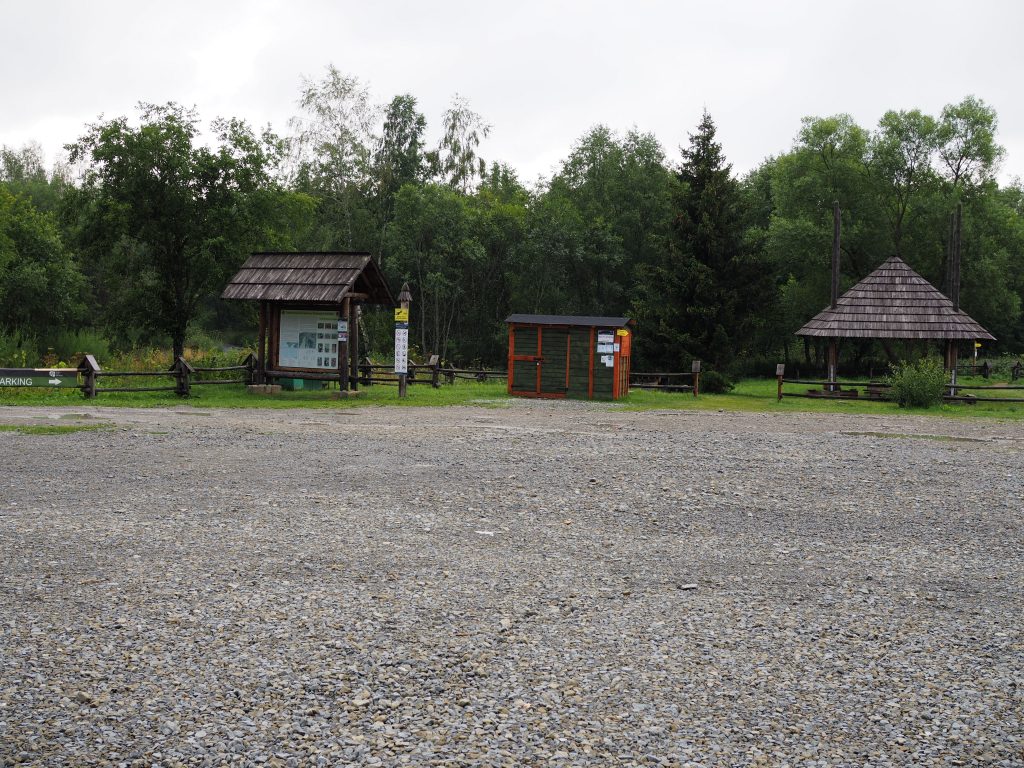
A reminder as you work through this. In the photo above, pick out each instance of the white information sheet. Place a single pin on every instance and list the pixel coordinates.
(309, 339)
(401, 350)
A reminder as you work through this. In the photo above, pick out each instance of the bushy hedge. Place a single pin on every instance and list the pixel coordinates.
(918, 385)
(714, 383)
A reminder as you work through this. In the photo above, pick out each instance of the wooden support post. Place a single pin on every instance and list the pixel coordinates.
(780, 374)
(89, 368)
(182, 374)
(343, 345)
(251, 369)
(353, 330)
(695, 369)
(833, 365)
(952, 359)
(435, 371)
(261, 359)
(404, 300)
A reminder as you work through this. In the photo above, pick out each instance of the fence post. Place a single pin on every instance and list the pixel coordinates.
(182, 371)
(250, 368)
(695, 370)
(365, 372)
(435, 371)
(89, 367)
(780, 372)
(449, 374)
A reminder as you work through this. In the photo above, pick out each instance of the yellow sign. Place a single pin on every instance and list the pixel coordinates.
(977, 345)
(622, 332)
(402, 315)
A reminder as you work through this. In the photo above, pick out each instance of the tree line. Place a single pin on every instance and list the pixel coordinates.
(136, 234)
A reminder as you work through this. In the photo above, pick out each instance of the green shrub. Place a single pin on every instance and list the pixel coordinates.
(918, 385)
(18, 350)
(715, 383)
(71, 345)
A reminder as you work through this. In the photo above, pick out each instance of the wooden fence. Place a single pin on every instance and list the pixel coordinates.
(878, 390)
(431, 372)
(183, 374)
(668, 382)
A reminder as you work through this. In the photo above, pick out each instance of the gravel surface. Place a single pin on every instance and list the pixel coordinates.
(541, 584)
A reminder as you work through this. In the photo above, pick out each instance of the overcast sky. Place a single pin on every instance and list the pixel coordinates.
(541, 73)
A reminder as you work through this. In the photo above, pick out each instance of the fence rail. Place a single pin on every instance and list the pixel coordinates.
(876, 390)
(668, 382)
(184, 374)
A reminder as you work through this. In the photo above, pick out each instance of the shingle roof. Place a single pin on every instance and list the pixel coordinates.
(894, 302)
(603, 322)
(319, 278)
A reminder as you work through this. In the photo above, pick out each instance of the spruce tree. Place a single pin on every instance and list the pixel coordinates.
(691, 304)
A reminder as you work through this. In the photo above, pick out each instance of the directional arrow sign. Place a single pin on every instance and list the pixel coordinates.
(33, 377)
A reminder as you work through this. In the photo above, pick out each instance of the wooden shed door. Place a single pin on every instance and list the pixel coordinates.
(554, 362)
(524, 360)
(539, 361)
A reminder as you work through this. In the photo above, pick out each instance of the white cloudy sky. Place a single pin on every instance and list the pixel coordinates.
(541, 73)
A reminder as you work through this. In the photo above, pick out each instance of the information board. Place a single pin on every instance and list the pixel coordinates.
(309, 339)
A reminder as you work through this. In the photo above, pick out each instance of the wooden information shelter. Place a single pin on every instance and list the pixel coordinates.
(558, 356)
(307, 312)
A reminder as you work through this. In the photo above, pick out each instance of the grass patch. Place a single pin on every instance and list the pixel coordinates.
(51, 429)
(749, 395)
(907, 436)
(486, 395)
(759, 395)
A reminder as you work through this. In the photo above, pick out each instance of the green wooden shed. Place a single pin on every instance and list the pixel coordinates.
(558, 356)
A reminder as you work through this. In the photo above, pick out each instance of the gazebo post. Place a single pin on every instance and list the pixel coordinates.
(261, 360)
(952, 358)
(833, 364)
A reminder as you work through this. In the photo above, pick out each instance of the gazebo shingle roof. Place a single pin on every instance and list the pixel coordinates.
(321, 278)
(894, 302)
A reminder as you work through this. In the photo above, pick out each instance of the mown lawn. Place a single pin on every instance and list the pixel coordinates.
(749, 395)
(760, 395)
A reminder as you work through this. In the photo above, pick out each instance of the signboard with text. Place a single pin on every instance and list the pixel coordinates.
(38, 377)
(309, 339)
(402, 340)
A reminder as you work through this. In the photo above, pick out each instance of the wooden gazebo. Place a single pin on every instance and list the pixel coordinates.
(894, 302)
(307, 311)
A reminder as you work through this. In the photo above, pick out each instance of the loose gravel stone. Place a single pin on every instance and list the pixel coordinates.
(563, 584)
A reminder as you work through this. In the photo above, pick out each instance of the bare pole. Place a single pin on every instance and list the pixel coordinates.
(948, 285)
(957, 246)
(833, 343)
(953, 348)
(835, 253)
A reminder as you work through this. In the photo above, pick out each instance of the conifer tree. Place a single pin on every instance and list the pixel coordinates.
(691, 305)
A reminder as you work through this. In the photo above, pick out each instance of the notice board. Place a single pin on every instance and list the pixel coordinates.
(308, 339)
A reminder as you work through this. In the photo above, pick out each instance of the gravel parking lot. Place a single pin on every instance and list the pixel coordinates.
(510, 587)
